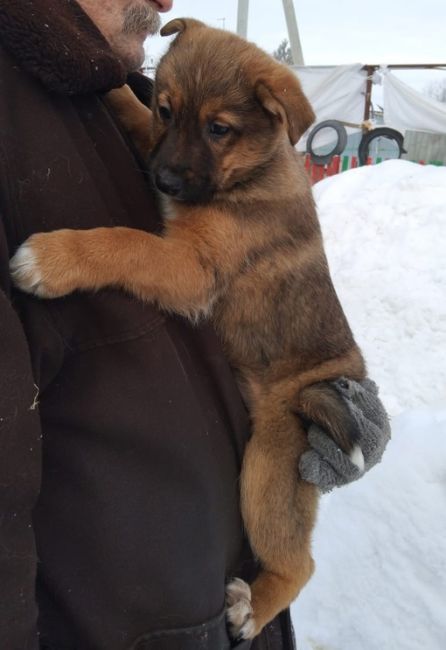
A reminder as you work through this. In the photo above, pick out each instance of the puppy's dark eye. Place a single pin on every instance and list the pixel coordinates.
(165, 113)
(219, 130)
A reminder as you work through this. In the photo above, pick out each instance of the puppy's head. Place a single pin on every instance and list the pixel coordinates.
(222, 107)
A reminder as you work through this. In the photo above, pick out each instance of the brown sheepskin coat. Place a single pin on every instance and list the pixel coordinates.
(121, 429)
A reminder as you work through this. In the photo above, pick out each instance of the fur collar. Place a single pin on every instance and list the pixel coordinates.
(56, 41)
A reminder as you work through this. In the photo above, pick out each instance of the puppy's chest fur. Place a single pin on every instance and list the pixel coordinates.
(272, 300)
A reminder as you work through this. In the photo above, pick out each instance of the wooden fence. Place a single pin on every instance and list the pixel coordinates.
(343, 163)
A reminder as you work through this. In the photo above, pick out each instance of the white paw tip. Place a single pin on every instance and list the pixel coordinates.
(236, 590)
(357, 457)
(23, 268)
(248, 630)
(239, 609)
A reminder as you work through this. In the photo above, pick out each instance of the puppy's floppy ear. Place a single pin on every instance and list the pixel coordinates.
(280, 94)
(179, 25)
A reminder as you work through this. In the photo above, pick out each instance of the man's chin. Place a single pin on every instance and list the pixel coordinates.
(131, 54)
(138, 60)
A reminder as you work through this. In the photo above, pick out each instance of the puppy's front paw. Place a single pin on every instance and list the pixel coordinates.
(25, 272)
(44, 265)
(239, 610)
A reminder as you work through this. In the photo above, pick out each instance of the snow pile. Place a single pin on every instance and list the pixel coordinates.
(380, 544)
(385, 235)
(380, 551)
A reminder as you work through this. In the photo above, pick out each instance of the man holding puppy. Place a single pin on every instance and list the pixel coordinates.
(123, 428)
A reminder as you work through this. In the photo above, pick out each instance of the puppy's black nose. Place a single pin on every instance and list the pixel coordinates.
(168, 182)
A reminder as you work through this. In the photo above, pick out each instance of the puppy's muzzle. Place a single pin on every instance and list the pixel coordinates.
(183, 184)
(169, 182)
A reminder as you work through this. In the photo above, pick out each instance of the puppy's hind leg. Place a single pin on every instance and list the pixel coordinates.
(279, 511)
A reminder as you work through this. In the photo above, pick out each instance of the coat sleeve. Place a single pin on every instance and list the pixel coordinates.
(20, 463)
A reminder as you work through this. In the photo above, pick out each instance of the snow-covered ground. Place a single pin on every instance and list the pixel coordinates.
(380, 544)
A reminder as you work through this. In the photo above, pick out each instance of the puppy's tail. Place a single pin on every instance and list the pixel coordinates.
(321, 403)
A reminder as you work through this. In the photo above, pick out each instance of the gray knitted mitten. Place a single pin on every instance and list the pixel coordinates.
(325, 464)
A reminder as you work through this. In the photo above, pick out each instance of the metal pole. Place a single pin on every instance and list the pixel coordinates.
(242, 18)
(368, 92)
(293, 32)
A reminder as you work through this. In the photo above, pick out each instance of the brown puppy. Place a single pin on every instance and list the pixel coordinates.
(242, 246)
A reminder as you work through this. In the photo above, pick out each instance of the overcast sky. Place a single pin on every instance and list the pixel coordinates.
(337, 31)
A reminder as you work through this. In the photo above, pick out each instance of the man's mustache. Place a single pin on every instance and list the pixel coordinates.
(141, 18)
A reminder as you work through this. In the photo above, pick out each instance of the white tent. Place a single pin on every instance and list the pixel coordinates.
(336, 93)
(405, 108)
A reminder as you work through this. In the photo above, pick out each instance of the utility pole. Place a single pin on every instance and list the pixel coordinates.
(293, 32)
(242, 18)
